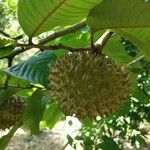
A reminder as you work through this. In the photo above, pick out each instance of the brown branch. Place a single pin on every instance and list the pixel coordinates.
(98, 45)
(60, 33)
(8, 36)
(57, 47)
(51, 37)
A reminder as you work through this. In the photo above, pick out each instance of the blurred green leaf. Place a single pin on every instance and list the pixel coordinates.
(5, 94)
(35, 69)
(34, 111)
(87, 122)
(52, 115)
(140, 95)
(2, 77)
(141, 140)
(115, 50)
(135, 68)
(53, 14)
(76, 39)
(108, 144)
(124, 109)
(25, 93)
(14, 81)
(70, 139)
(6, 46)
(6, 138)
(4, 51)
(147, 89)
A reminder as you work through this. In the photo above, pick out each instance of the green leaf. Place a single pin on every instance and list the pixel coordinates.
(35, 69)
(6, 46)
(124, 109)
(141, 140)
(108, 144)
(13, 81)
(115, 50)
(129, 18)
(34, 112)
(147, 89)
(139, 37)
(3, 76)
(87, 122)
(70, 139)
(141, 96)
(36, 16)
(5, 94)
(52, 115)
(77, 39)
(6, 138)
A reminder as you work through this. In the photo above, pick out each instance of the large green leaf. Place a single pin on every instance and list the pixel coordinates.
(52, 115)
(38, 16)
(129, 18)
(34, 112)
(34, 69)
(6, 46)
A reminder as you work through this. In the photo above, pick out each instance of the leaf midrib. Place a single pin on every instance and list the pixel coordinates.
(122, 27)
(46, 18)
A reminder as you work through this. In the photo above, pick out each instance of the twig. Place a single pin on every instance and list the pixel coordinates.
(60, 33)
(51, 37)
(56, 47)
(98, 45)
(136, 60)
(104, 38)
(8, 36)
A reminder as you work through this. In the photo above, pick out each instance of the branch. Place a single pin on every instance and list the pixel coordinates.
(57, 47)
(98, 45)
(104, 38)
(8, 36)
(60, 33)
(51, 37)
(136, 60)
(101, 42)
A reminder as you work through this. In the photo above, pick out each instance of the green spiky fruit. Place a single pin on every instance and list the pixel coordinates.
(10, 112)
(87, 85)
